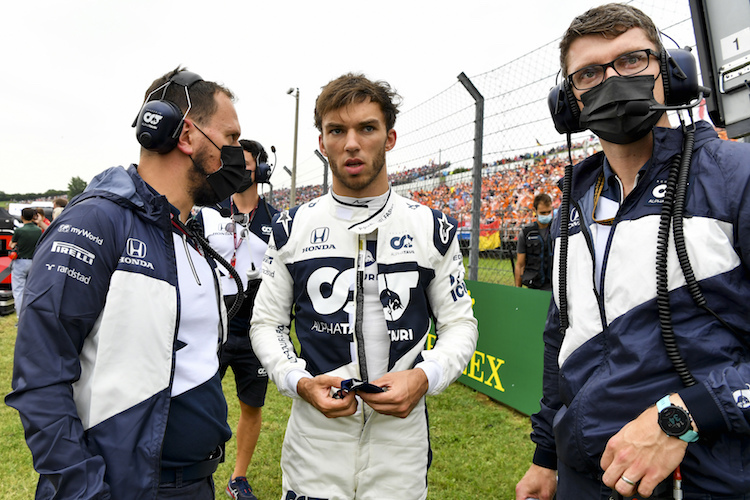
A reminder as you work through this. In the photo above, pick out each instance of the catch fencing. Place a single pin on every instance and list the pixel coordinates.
(520, 152)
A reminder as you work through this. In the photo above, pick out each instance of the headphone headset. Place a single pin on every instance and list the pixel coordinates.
(159, 123)
(679, 74)
(263, 170)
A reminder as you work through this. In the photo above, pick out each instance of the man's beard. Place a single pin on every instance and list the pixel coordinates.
(201, 191)
(361, 181)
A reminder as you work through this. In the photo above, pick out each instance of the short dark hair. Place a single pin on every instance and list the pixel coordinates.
(356, 88)
(610, 20)
(542, 198)
(256, 149)
(60, 202)
(28, 213)
(203, 103)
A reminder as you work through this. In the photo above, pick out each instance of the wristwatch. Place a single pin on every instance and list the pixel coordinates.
(675, 421)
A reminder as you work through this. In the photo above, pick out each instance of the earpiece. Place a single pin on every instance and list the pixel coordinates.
(262, 173)
(159, 123)
(263, 170)
(564, 109)
(679, 74)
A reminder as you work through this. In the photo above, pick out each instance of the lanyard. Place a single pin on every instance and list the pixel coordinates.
(247, 219)
(597, 194)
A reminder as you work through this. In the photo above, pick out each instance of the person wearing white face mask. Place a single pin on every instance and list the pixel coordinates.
(534, 250)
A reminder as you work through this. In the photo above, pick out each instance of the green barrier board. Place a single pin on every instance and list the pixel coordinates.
(507, 364)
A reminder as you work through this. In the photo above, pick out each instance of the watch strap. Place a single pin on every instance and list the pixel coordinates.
(663, 403)
(690, 436)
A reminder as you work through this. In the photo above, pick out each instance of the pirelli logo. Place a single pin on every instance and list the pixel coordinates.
(74, 251)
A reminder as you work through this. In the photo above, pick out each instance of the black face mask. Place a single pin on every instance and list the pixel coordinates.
(228, 179)
(604, 109)
(247, 182)
(230, 175)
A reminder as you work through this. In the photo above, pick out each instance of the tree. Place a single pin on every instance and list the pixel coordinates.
(76, 187)
(52, 192)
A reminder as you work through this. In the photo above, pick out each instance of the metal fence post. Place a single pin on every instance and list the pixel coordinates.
(325, 170)
(476, 176)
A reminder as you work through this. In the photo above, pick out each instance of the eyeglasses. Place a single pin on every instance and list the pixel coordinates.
(629, 64)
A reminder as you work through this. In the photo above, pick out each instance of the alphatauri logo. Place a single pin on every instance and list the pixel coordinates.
(152, 118)
(742, 397)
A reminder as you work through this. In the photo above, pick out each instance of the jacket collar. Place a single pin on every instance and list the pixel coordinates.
(667, 141)
(128, 189)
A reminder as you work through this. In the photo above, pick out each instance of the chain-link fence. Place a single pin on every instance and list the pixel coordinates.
(523, 154)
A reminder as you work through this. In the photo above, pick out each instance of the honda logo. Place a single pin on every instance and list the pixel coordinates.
(136, 248)
(319, 235)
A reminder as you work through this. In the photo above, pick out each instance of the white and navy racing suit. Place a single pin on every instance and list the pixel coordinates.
(116, 368)
(611, 363)
(324, 264)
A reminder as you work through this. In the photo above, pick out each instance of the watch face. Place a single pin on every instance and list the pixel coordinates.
(674, 421)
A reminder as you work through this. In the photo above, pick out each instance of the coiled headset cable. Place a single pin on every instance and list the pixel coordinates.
(194, 230)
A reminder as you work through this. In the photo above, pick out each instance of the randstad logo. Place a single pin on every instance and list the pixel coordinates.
(319, 235)
(136, 248)
(152, 118)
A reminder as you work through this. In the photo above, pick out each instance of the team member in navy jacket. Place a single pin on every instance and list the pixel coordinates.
(116, 369)
(619, 411)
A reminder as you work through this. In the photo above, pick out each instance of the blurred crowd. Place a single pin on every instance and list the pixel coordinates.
(507, 194)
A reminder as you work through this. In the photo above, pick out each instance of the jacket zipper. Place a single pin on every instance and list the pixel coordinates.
(359, 298)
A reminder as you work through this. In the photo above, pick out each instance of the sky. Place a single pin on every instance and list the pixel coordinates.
(75, 71)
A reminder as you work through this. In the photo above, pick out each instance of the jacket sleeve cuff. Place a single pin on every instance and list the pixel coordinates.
(704, 411)
(292, 379)
(434, 373)
(545, 458)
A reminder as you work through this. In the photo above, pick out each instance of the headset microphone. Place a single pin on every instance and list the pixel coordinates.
(225, 212)
(641, 108)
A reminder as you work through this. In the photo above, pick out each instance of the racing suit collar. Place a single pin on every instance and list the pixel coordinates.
(365, 217)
